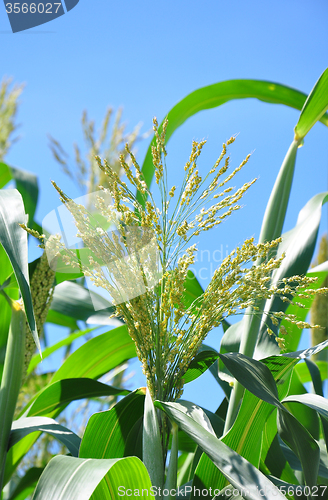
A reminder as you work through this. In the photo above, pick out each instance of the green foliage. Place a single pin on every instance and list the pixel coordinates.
(265, 433)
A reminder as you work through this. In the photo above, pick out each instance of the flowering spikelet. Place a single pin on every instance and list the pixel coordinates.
(42, 288)
(144, 264)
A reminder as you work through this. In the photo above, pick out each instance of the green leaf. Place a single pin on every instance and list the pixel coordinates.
(253, 375)
(50, 350)
(6, 270)
(238, 471)
(62, 320)
(27, 185)
(201, 362)
(5, 174)
(296, 464)
(258, 381)
(172, 470)
(192, 289)
(56, 396)
(298, 244)
(304, 374)
(152, 452)
(314, 401)
(98, 356)
(218, 94)
(315, 376)
(302, 443)
(75, 301)
(11, 380)
(26, 484)
(246, 434)
(24, 426)
(314, 108)
(70, 478)
(14, 240)
(107, 432)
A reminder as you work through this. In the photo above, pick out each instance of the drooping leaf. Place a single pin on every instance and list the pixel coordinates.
(304, 374)
(218, 94)
(302, 443)
(24, 426)
(57, 395)
(72, 478)
(246, 434)
(314, 401)
(253, 375)
(258, 381)
(316, 377)
(14, 240)
(240, 473)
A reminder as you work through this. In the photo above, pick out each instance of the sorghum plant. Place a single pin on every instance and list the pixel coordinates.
(144, 264)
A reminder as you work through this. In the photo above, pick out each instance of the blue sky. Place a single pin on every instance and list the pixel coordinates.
(146, 56)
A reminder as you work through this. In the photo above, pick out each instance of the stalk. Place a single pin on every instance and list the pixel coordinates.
(172, 471)
(272, 225)
(11, 379)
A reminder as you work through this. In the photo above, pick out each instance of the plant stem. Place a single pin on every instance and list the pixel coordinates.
(272, 225)
(11, 379)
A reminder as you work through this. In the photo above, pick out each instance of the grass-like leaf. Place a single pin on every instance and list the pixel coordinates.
(238, 471)
(70, 478)
(218, 94)
(314, 108)
(14, 240)
(24, 426)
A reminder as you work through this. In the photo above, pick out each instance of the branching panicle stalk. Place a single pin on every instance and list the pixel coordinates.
(144, 263)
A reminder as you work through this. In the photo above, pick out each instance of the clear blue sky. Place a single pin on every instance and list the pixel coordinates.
(146, 56)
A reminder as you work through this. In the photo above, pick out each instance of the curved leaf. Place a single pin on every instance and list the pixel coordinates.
(220, 93)
(315, 106)
(201, 362)
(75, 301)
(24, 426)
(260, 382)
(302, 443)
(70, 478)
(238, 471)
(314, 401)
(98, 356)
(14, 240)
(56, 396)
